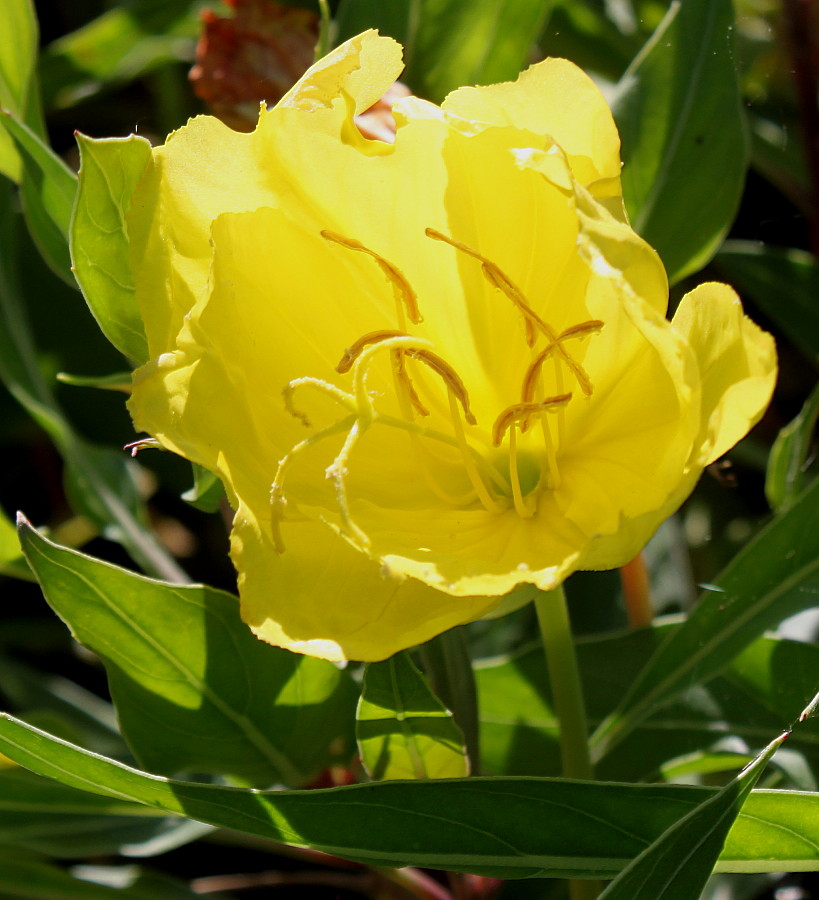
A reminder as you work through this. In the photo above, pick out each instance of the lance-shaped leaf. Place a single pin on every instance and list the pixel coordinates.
(677, 865)
(504, 827)
(18, 58)
(194, 689)
(783, 283)
(785, 475)
(685, 148)
(109, 171)
(403, 729)
(775, 576)
(48, 189)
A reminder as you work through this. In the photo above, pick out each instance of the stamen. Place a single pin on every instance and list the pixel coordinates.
(352, 353)
(499, 279)
(466, 455)
(401, 287)
(143, 444)
(519, 411)
(405, 388)
(450, 377)
(517, 496)
(575, 331)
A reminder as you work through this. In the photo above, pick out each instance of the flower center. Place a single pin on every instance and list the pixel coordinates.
(497, 481)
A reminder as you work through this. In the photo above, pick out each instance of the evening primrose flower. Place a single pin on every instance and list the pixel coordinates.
(431, 374)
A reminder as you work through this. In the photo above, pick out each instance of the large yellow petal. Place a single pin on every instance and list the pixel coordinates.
(205, 169)
(554, 98)
(323, 598)
(737, 364)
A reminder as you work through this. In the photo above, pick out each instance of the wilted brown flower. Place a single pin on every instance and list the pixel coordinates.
(257, 54)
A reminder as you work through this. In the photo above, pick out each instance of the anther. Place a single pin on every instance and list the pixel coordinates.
(143, 444)
(450, 377)
(522, 411)
(403, 379)
(500, 280)
(401, 287)
(575, 331)
(352, 353)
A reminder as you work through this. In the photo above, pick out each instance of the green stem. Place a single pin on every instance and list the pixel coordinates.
(567, 693)
(567, 698)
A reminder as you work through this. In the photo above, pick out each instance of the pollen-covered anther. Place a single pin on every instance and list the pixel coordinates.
(521, 411)
(402, 376)
(530, 379)
(401, 287)
(355, 350)
(450, 377)
(532, 321)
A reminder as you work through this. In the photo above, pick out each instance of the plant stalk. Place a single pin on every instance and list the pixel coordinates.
(567, 699)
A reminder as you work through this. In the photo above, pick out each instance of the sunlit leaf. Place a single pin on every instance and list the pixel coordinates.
(18, 57)
(403, 729)
(193, 687)
(109, 171)
(495, 826)
(677, 865)
(757, 694)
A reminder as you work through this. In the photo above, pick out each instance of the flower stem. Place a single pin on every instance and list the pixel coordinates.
(567, 693)
(567, 697)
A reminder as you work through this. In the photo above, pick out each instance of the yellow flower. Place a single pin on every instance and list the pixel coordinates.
(428, 373)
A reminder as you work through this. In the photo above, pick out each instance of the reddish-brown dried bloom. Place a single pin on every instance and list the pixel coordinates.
(256, 55)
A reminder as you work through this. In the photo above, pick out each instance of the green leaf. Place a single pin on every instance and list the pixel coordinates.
(400, 19)
(99, 480)
(11, 556)
(47, 189)
(193, 687)
(121, 44)
(403, 729)
(581, 30)
(785, 475)
(82, 717)
(765, 686)
(449, 43)
(41, 815)
(773, 577)
(18, 58)
(119, 381)
(109, 172)
(685, 147)
(678, 864)
(501, 827)
(784, 284)
(207, 492)
(18, 53)
(33, 878)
